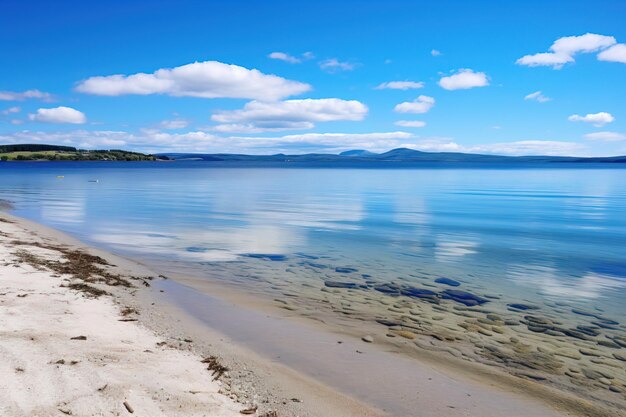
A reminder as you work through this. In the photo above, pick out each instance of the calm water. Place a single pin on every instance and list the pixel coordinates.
(533, 234)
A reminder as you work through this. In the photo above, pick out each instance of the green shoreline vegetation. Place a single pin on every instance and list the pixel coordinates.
(35, 152)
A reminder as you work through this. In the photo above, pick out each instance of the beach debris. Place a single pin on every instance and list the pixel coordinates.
(129, 408)
(367, 339)
(250, 410)
(65, 411)
(78, 338)
(102, 388)
(128, 310)
(215, 367)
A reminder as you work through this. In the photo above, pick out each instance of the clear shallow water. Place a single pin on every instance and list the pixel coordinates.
(334, 245)
(542, 232)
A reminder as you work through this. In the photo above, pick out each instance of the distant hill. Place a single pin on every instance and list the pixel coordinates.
(357, 152)
(398, 155)
(37, 152)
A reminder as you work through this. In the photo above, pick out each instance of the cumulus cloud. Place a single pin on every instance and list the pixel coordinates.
(257, 116)
(174, 124)
(16, 96)
(564, 49)
(400, 85)
(209, 79)
(282, 56)
(261, 127)
(59, 114)
(435, 52)
(606, 136)
(537, 96)
(11, 110)
(334, 65)
(616, 53)
(422, 104)
(464, 79)
(410, 123)
(155, 140)
(530, 147)
(596, 119)
(545, 59)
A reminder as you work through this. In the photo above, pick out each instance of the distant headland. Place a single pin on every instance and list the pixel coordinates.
(37, 152)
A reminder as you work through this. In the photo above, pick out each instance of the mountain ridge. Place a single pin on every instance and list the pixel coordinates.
(393, 155)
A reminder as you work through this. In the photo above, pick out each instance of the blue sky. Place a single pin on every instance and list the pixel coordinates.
(323, 76)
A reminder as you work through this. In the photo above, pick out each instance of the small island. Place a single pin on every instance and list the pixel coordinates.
(37, 152)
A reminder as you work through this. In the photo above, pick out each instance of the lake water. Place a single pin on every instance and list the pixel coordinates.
(545, 240)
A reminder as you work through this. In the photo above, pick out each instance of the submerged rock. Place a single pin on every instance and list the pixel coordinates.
(522, 307)
(448, 281)
(339, 284)
(390, 289)
(345, 270)
(463, 297)
(424, 294)
(266, 256)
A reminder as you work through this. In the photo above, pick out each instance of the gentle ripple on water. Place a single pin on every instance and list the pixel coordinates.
(541, 252)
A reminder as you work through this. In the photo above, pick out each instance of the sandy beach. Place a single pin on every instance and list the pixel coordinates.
(89, 333)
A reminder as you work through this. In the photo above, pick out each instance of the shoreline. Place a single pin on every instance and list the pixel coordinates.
(277, 382)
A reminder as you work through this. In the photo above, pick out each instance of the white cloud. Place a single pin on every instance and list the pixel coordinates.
(154, 140)
(545, 59)
(606, 136)
(261, 127)
(15, 96)
(537, 96)
(400, 85)
(435, 52)
(422, 104)
(11, 110)
(464, 79)
(281, 56)
(589, 42)
(410, 123)
(564, 49)
(530, 147)
(209, 79)
(597, 119)
(174, 124)
(259, 116)
(59, 114)
(334, 65)
(616, 53)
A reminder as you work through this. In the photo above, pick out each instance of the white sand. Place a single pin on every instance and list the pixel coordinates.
(118, 362)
